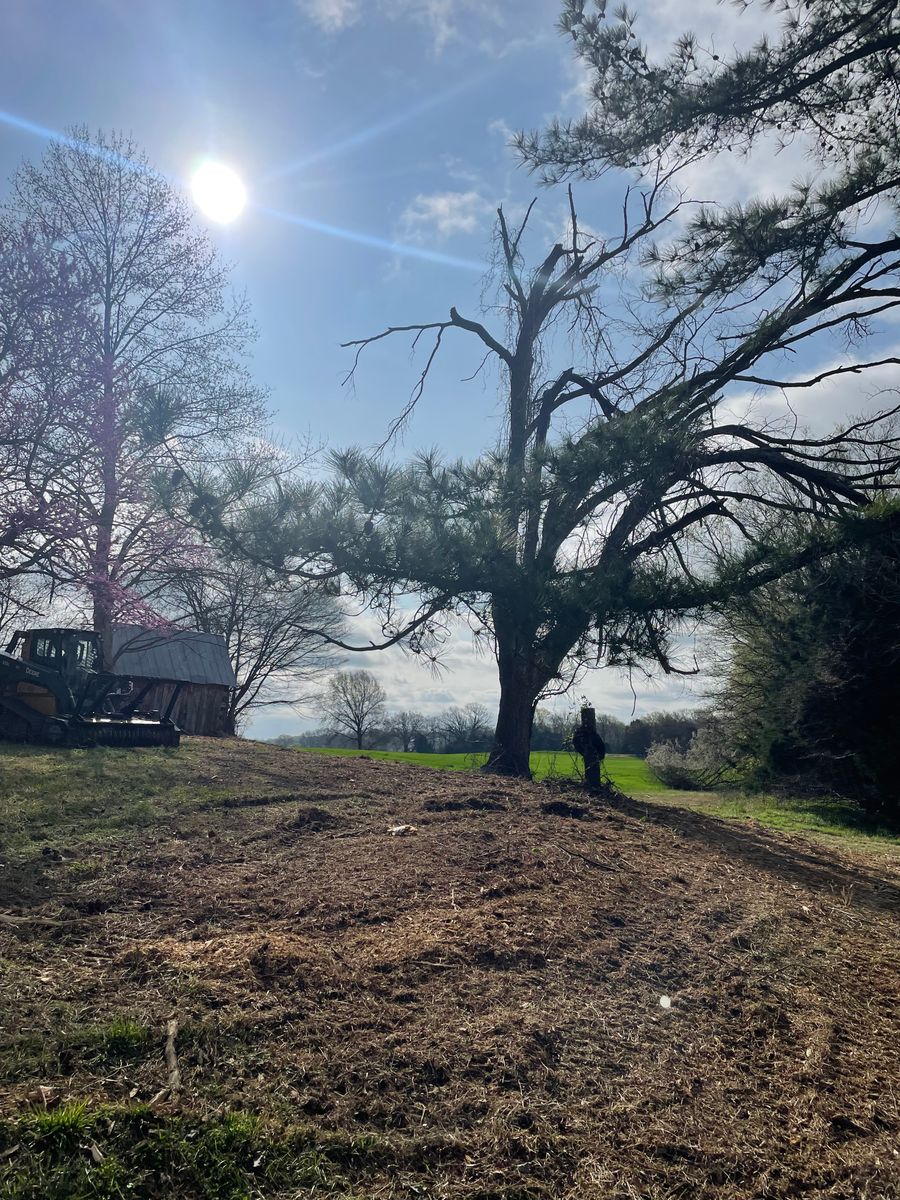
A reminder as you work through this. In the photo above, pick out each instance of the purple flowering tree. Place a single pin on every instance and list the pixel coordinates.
(161, 372)
(44, 324)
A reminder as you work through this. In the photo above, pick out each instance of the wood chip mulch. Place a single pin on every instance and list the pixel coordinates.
(526, 994)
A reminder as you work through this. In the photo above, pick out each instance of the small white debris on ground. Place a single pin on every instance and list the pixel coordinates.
(401, 830)
(665, 1002)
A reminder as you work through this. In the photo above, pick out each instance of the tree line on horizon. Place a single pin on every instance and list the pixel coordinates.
(356, 715)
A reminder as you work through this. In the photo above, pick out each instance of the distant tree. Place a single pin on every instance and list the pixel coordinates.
(354, 704)
(675, 728)
(273, 626)
(430, 738)
(425, 739)
(613, 731)
(551, 729)
(162, 358)
(407, 727)
(313, 738)
(465, 730)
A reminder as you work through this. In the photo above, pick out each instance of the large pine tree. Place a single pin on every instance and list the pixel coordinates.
(573, 540)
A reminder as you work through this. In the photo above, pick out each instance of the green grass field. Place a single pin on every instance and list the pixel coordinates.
(630, 774)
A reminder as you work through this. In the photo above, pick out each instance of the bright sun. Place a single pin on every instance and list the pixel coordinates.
(218, 192)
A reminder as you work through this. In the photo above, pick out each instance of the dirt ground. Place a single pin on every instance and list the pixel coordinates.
(524, 996)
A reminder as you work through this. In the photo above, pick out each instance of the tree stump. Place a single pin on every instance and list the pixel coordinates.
(590, 745)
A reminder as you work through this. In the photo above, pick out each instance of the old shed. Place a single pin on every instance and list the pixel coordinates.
(198, 661)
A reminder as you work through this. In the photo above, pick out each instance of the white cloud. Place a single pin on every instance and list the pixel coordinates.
(461, 171)
(827, 404)
(331, 15)
(720, 28)
(441, 215)
(767, 172)
(442, 18)
(500, 128)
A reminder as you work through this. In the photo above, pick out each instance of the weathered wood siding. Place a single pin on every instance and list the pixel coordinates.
(201, 708)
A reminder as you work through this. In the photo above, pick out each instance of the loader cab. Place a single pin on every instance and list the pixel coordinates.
(52, 690)
(69, 652)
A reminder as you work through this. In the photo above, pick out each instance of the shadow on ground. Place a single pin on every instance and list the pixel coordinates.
(785, 855)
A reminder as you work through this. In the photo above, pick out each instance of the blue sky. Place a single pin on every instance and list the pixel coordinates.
(385, 119)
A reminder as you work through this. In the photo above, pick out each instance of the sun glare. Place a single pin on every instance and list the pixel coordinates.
(218, 192)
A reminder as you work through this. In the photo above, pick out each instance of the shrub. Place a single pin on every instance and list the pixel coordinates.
(703, 764)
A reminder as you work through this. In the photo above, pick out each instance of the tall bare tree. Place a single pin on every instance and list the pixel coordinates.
(44, 320)
(466, 729)
(354, 704)
(272, 625)
(162, 356)
(407, 727)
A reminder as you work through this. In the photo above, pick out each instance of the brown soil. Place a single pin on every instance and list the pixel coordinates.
(481, 993)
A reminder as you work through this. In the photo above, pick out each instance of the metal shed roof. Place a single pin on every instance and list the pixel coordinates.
(182, 655)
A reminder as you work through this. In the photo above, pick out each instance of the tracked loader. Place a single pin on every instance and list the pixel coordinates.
(51, 691)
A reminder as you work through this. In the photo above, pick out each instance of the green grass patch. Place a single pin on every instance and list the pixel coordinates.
(627, 772)
(79, 1152)
(122, 1038)
(74, 800)
(104, 789)
(97, 1046)
(824, 816)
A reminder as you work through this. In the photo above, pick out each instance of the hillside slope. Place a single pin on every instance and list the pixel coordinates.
(467, 1010)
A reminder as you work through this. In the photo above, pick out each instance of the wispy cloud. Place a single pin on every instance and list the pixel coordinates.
(331, 15)
(500, 128)
(442, 18)
(441, 215)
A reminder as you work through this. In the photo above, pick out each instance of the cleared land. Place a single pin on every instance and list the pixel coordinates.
(627, 772)
(821, 816)
(471, 1010)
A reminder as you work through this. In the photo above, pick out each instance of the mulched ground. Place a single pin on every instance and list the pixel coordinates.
(482, 993)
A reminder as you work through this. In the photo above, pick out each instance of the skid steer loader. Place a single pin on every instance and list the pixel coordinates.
(51, 691)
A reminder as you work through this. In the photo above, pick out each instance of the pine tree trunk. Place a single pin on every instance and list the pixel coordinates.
(511, 751)
(519, 689)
